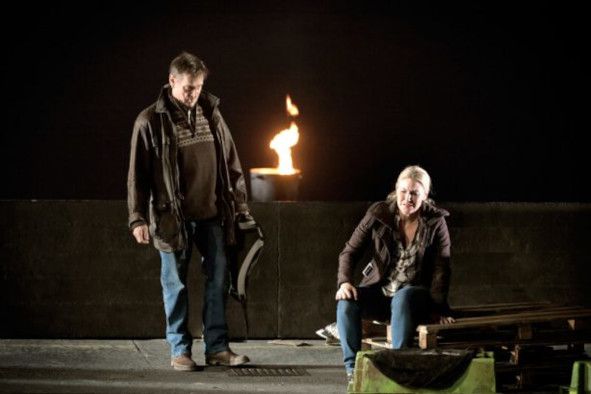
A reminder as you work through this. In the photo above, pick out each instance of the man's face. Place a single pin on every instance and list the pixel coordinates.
(409, 196)
(186, 87)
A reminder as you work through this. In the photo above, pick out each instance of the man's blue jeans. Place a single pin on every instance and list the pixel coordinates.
(409, 307)
(208, 236)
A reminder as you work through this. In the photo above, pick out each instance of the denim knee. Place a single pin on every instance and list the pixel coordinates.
(347, 308)
(411, 300)
(401, 299)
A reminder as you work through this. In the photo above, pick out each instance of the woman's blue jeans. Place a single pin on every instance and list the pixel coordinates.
(208, 236)
(409, 307)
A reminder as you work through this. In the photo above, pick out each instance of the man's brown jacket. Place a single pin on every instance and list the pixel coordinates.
(153, 191)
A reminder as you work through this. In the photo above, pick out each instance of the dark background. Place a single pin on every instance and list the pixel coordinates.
(491, 98)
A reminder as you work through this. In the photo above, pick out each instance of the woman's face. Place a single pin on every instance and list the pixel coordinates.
(409, 196)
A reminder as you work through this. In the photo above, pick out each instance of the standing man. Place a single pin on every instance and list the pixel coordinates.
(185, 182)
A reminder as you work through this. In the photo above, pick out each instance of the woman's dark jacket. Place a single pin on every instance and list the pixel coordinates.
(377, 226)
(153, 187)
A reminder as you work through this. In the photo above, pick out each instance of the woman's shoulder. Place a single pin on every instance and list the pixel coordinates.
(432, 213)
(382, 211)
(380, 208)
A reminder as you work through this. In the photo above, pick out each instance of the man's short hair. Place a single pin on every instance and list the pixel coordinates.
(187, 63)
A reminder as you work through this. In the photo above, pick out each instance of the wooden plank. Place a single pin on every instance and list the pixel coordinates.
(427, 339)
(509, 319)
(496, 312)
(572, 339)
(371, 329)
(540, 312)
(379, 342)
(503, 306)
(579, 324)
(490, 343)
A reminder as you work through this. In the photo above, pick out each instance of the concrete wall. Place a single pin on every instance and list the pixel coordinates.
(70, 269)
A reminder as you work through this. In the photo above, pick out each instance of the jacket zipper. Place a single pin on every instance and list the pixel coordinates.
(174, 178)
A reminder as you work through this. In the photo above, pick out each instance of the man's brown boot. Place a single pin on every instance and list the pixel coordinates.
(183, 363)
(227, 358)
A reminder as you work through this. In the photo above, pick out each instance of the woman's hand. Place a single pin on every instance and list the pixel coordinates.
(446, 320)
(436, 318)
(346, 292)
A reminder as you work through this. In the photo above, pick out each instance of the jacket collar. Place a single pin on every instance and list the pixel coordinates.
(385, 212)
(206, 100)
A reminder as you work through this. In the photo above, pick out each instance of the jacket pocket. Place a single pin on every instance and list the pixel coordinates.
(371, 274)
(369, 269)
(167, 224)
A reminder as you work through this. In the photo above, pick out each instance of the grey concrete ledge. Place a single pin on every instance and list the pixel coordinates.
(70, 269)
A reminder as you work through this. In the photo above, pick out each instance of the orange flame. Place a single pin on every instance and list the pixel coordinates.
(291, 108)
(285, 140)
(282, 144)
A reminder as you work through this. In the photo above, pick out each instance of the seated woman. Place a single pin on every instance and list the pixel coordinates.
(407, 279)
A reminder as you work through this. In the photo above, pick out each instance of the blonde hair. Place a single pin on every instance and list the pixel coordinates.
(417, 174)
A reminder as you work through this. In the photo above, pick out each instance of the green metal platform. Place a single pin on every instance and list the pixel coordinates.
(478, 378)
(580, 380)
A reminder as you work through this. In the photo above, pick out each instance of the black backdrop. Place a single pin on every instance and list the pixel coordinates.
(491, 98)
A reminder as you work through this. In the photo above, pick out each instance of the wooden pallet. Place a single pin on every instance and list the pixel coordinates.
(378, 333)
(523, 337)
(500, 324)
(524, 324)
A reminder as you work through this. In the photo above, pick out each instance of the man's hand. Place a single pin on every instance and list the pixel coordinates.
(346, 292)
(141, 234)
